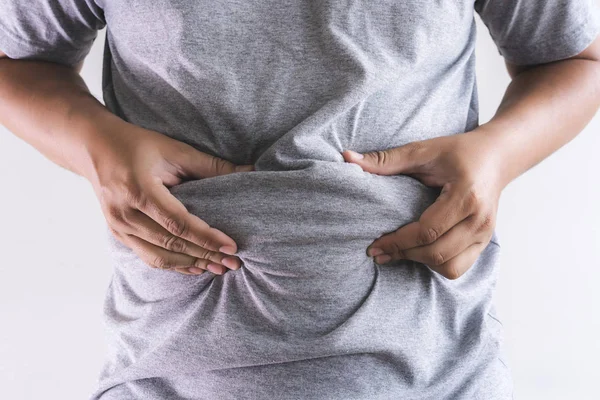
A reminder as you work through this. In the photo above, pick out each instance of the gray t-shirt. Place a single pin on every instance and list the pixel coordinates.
(287, 86)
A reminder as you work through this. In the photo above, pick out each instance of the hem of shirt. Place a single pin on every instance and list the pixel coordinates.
(18, 48)
(570, 44)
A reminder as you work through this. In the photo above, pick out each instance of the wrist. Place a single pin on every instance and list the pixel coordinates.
(498, 152)
(95, 129)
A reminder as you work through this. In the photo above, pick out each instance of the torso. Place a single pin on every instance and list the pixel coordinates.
(288, 86)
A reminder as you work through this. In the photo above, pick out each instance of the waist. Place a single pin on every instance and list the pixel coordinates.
(329, 210)
(301, 234)
(306, 280)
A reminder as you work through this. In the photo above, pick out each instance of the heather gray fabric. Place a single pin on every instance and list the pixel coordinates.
(288, 85)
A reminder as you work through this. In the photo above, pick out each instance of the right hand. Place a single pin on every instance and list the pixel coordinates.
(130, 170)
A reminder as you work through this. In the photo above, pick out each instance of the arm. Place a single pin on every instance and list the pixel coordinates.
(49, 106)
(544, 107)
(39, 116)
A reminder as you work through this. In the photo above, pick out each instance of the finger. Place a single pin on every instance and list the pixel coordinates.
(457, 266)
(197, 164)
(160, 205)
(449, 209)
(160, 258)
(392, 245)
(452, 243)
(404, 159)
(189, 271)
(142, 226)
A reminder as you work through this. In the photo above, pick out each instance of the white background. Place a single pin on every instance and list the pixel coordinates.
(55, 266)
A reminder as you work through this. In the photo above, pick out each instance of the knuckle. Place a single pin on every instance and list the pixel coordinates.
(127, 216)
(487, 222)
(208, 255)
(427, 236)
(132, 195)
(139, 200)
(451, 271)
(175, 226)
(160, 263)
(200, 263)
(121, 190)
(436, 258)
(218, 165)
(205, 244)
(395, 249)
(114, 215)
(473, 199)
(127, 190)
(174, 243)
(380, 157)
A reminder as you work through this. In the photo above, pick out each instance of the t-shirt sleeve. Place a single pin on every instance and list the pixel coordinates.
(60, 31)
(538, 31)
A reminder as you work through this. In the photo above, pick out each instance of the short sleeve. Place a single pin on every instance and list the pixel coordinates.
(538, 31)
(61, 31)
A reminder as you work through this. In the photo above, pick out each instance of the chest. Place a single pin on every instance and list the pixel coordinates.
(262, 33)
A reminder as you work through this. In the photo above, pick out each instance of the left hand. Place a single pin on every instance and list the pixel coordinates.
(452, 232)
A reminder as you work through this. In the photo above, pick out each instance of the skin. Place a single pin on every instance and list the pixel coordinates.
(130, 168)
(544, 107)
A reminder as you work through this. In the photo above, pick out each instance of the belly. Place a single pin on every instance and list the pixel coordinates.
(313, 223)
(306, 288)
(302, 237)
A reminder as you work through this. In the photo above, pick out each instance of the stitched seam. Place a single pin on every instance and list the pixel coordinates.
(575, 33)
(503, 363)
(38, 44)
(495, 319)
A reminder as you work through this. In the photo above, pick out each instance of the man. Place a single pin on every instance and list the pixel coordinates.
(226, 145)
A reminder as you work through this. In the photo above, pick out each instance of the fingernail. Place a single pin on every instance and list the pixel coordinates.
(375, 251)
(383, 259)
(230, 262)
(246, 168)
(355, 154)
(195, 270)
(215, 269)
(227, 250)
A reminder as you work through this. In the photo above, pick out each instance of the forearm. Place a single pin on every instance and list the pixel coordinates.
(543, 109)
(50, 107)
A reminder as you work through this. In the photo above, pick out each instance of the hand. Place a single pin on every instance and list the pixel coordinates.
(131, 170)
(452, 232)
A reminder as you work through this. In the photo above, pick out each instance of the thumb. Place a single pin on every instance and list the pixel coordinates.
(197, 164)
(405, 159)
